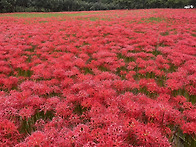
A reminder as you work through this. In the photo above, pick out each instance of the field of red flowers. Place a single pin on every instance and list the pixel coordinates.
(109, 78)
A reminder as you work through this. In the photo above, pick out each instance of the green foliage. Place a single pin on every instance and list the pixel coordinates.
(27, 125)
(79, 109)
(86, 5)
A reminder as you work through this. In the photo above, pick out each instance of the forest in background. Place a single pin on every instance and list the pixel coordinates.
(87, 5)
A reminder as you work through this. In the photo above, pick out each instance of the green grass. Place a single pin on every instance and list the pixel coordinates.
(27, 125)
(194, 35)
(45, 15)
(62, 16)
(164, 33)
(158, 19)
(152, 20)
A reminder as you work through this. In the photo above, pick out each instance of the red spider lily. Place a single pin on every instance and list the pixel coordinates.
(129, 81)
(174, 84)
(37, 138)
(26, 113)
(64, 109)
(189, 128)
(9, 133)
(190, 114)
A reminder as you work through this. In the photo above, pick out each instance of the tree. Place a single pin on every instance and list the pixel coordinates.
(78, 5)
(8, 5)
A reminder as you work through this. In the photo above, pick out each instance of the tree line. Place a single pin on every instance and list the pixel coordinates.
(87, 5)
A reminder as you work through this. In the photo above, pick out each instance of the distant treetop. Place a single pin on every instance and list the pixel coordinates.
(87, 5)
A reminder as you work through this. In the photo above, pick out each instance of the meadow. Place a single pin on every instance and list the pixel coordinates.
(101, 78)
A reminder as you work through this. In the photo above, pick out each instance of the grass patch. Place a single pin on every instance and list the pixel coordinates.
(152, 20)
(79, 109)
(194, 35)
(88, 71)
(137, 31)
(43, 15)
(24, 73)
(164, 33)
(27, 126)
(102, 68)
(183, 92)
(93, 18)
(156, 52)
(43, 21)
(183, 139)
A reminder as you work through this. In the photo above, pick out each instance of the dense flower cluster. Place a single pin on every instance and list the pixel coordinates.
(128, 78)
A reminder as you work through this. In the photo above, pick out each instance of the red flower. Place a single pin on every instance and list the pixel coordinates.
(189, 128)
(37, 138)
(174, 84)
(26, 113)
